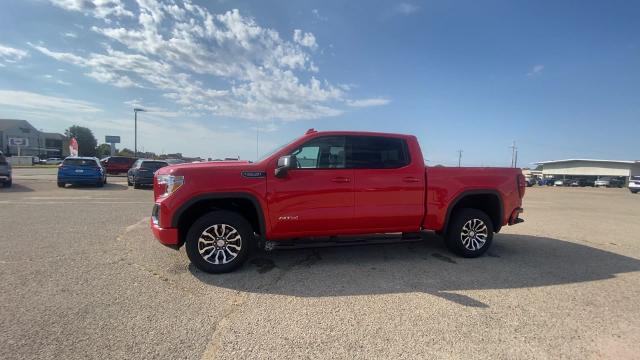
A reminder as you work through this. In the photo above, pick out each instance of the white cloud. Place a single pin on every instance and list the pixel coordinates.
(406, 8)
(316, 14)
(99, 8)
(368, 102)
(180, 49)
(535, 70)
(11, 55)
(305, 39)
(44, 103)
(70, 35)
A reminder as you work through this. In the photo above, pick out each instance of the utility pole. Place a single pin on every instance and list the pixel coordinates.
(135, 130)
(459, 157)
(514, 156)
(257, 151)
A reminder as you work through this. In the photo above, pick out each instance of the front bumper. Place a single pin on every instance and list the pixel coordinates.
(166, 236)
(5, 177)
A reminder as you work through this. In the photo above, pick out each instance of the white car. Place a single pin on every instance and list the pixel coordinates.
(54, 161)
(634, 184)
(558, 183)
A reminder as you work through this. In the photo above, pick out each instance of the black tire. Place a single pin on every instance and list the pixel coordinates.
(129, 183)
(136, 185)
(7, 183)
(461, 221)
(231, 220)
(100, 183)
(61, 184)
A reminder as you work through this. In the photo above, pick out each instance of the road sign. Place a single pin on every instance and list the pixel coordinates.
(15, 141)
(110, 139)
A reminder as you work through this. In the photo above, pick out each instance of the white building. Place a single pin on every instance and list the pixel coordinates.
(589, 168)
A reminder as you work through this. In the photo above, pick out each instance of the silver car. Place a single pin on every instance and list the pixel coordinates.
(5, 171)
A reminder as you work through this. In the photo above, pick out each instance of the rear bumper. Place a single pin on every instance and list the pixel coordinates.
(515, 216)
(5, 177)
(80, 180)
(143, 180)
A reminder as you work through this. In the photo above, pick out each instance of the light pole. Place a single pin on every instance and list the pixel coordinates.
(135, 130)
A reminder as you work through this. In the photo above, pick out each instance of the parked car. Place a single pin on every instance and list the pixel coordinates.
(5, 171)
(546, 182)
(378, 186)
(141, 173)
(530, 181)
(578, 182)
(54, 161)
(609, 182)
(35, 160)
(81, 170)
(115, 165)
(560, 182)
(634, 184)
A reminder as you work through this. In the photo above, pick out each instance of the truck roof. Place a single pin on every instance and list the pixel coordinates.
(354, 133)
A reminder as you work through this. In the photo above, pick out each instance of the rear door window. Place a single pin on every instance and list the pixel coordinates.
(377, 152)
(153, 165)
(80, 162)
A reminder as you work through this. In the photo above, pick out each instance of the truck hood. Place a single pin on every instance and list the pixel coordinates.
(204, 166)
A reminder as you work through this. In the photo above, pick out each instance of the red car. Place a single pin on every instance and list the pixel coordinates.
(329, 184)
(117, 164)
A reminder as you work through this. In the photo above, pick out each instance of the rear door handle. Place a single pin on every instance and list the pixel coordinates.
(411, 180)
(341, 180)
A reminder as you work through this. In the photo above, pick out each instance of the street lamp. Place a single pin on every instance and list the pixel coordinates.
(135, 126)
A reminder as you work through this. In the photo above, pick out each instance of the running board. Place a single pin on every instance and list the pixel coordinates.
(324, 242)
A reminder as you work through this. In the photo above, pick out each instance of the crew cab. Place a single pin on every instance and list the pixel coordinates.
(328, 184)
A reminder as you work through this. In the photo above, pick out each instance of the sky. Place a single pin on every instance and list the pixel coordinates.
(237, 78)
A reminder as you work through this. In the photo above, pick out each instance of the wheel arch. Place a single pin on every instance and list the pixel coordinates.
(487, 200)
(243, 203)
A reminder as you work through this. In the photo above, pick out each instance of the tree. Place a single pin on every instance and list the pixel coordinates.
(103, 150)
(86, 141)
(125, 152)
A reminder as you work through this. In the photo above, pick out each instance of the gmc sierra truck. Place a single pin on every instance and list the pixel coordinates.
(327, 184)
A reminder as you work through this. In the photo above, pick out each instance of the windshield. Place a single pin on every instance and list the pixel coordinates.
(153, 165)
(275, 150)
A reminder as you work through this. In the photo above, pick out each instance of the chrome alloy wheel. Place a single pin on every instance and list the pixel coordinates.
(219, 244)
(474, 234)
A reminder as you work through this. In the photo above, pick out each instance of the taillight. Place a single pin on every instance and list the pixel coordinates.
(522, 185)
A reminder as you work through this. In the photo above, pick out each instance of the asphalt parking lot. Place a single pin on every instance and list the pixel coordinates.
(82, 277)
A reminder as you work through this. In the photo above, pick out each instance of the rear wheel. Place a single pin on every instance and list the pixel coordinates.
(7, 183)
(136, 185)
(100, 183)
(219, 241)
(470, 233)
(61, 184)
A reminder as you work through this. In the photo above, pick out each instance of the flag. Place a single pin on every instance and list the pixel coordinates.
(73, 147)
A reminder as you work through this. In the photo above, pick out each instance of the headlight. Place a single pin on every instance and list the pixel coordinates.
(169, 184)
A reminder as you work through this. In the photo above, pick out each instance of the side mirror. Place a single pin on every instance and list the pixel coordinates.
(284, 164)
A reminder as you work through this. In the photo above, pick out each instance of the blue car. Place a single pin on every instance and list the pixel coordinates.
(81, 171)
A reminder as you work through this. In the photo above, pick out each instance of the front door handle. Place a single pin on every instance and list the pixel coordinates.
(411, 179)
(341, 180)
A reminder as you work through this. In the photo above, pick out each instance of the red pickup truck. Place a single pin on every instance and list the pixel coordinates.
(328, 184)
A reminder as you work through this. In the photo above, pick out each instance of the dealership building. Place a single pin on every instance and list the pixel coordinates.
(20, 137)
(589, 168)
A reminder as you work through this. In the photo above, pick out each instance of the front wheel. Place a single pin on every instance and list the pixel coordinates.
(219, 242)
(470, 233)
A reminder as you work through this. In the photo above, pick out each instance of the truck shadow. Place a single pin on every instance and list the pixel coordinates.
(514, 261)
(16, 188)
